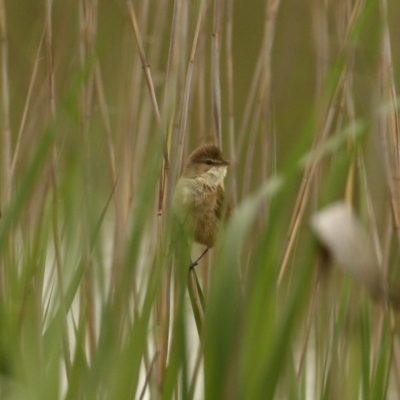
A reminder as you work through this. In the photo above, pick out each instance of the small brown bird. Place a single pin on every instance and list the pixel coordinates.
(199, 196)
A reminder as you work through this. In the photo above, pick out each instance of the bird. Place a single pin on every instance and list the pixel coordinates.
(199, 198)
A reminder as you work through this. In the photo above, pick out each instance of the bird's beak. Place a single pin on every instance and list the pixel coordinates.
(226, 163)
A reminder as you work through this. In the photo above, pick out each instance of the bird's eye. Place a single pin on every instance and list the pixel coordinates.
(209, 162)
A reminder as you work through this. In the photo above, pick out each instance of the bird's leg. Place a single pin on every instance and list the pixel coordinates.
(194, 263)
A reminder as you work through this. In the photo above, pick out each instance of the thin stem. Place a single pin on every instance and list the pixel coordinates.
(215, 74)
(5, 94)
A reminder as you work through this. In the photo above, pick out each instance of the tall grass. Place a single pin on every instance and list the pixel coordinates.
(101, 102)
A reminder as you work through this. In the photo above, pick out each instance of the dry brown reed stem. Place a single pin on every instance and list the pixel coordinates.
(269, 36)
(244, 125)
(169, 105)
(263, 88)
(119, 208)
(88, 28)
(347, 103)
(371, 215)
(188, 82)
(320, 29)
(200, 83)
(106, 121)
(389, 127)
(230, 98)
(163, 314)
(249, 159)
(173, 83)
(49, 58)
(149, 371)
(326, 120)
(150, 85)
(160, 22)
(183, 50)
(5, 95)
(26, 109)
(349, 106)
(145, 65)
(215, 73)
(169, 101)
(390, 123)
(354, 12)
(53, 175)
(261, 84)
(135, 143)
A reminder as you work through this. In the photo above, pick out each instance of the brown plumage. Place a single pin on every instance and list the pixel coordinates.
(199, 196)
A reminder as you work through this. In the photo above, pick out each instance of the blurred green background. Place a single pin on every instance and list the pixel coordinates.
(91, 299)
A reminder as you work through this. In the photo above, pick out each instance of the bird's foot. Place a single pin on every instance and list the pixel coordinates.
(194, 263)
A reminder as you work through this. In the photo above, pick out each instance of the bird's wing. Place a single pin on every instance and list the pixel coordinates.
(222, 211)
